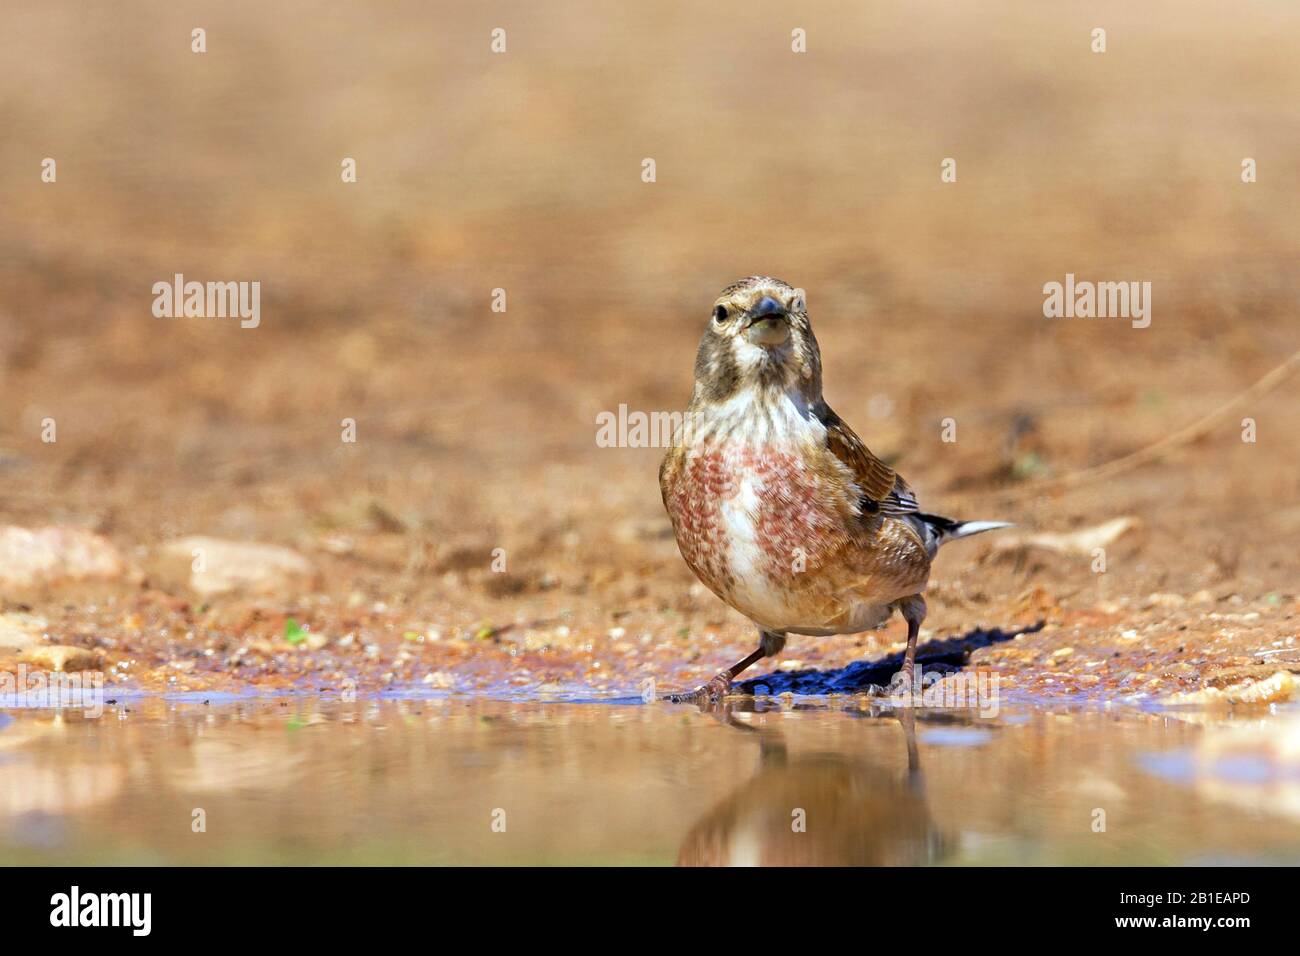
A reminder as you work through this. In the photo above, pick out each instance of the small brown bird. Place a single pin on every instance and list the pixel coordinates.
(778, 507)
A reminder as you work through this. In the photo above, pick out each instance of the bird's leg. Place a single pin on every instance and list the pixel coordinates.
(913, 611)
(769, 644)
(721, 683)
(717, 688)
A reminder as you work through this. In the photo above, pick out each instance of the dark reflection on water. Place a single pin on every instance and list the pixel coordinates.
(304, 780)
(864, 814)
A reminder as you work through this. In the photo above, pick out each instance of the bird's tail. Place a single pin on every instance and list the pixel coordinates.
(942, 530)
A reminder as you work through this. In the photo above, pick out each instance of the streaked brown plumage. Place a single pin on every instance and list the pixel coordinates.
(777, 506)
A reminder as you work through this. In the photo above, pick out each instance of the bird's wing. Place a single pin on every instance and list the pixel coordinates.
(883, 489)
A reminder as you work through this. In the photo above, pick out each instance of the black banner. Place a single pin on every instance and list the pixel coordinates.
(338, 906)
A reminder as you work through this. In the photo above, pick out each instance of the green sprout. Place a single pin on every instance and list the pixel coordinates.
(294, 633)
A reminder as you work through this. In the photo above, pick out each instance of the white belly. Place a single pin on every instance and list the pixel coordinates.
(756, 594)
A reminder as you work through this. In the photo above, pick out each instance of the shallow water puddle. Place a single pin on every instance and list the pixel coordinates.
(455, 780)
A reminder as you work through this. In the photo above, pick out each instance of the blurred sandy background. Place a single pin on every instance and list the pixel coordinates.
(522, 171)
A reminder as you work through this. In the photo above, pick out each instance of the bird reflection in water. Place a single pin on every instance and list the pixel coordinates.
(854, 812)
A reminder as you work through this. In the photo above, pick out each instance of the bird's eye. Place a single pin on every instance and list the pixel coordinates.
(797, 304)
(720, 314)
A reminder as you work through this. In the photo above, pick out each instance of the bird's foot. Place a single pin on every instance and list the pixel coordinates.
(709, 693)
(903, 689)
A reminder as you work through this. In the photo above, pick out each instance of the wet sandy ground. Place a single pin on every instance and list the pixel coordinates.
(444, 781)
(476, 431)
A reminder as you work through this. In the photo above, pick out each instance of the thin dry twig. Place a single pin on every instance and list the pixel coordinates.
(1156, 451)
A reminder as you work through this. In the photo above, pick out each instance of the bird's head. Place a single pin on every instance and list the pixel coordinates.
(758, 339)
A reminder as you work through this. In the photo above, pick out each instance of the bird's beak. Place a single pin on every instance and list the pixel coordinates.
(767, 323)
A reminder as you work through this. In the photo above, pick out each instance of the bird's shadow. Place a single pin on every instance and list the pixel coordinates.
(951, 652)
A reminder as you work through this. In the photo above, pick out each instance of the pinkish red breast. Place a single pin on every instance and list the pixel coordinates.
(753, 521)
